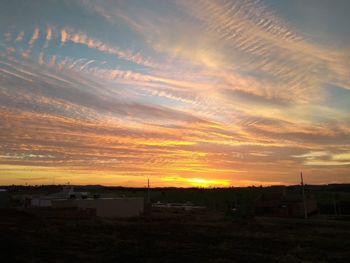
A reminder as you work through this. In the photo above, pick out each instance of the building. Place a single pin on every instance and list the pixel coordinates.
(102, 207)
(282, 204)
(123, 207)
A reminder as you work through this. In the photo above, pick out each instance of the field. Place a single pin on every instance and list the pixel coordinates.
(211, 235)
(205, 236)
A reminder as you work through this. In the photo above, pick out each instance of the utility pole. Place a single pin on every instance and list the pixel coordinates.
(148, 192)
(335, 205)
(303, 194)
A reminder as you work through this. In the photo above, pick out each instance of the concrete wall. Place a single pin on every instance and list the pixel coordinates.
(105, 207)
(39, 202)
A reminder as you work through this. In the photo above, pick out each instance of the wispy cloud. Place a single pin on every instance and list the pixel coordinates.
(83, 39)
(186, 92)
(48, 36)
(20, 36)
(41, 60)
(34, 37)
(64, 35)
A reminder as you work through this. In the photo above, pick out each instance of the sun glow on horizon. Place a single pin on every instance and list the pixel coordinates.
(197, 182)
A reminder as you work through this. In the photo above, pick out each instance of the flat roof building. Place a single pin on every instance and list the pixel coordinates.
(103, 207)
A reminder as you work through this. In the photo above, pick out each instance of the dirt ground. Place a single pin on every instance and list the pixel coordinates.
(172, 237)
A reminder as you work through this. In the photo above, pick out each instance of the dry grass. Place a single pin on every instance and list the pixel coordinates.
(169, 237)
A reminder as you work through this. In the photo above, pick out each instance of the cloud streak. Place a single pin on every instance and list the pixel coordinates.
(34, 37)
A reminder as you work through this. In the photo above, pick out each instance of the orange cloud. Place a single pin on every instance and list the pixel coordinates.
(34, 37)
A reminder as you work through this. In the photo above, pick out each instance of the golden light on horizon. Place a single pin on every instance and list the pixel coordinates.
(197, 182)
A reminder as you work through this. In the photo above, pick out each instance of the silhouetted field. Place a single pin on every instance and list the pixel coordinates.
(202, 236)
(222, 199)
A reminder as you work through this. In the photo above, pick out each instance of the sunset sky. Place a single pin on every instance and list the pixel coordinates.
(184, 92)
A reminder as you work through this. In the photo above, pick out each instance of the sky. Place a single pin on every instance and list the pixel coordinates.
(205, 93)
